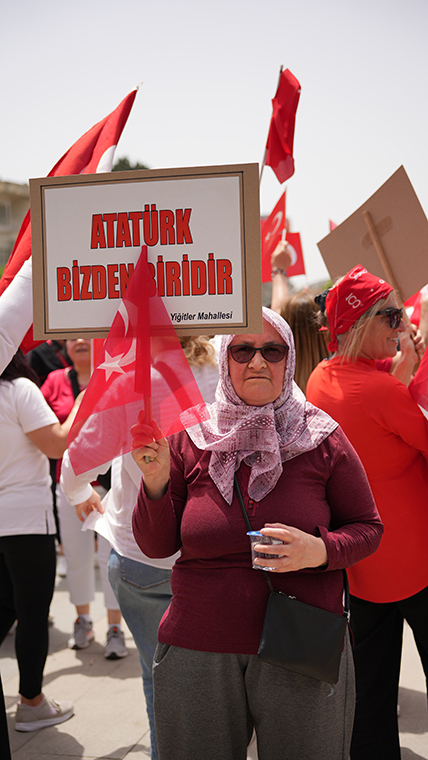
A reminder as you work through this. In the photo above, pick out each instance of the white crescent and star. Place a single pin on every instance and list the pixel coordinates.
(117, 362)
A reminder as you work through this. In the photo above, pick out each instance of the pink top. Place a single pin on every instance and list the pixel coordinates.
(58, 393)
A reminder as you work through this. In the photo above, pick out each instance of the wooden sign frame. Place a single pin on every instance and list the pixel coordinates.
(388, 235)
(202, 228)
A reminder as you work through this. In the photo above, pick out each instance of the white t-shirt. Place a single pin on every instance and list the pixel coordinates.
(25, 483)
(116, 522)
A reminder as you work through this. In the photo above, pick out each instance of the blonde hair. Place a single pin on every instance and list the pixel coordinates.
(351, 341)
(198, 350)
(300, 313)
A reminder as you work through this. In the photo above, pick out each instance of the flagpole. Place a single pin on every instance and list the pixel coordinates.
(142, 352)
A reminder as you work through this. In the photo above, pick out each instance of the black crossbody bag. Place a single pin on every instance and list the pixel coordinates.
(298, 636)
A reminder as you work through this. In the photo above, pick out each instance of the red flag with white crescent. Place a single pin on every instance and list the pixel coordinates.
(93, 152)
(271, 233)
(141, 366)
(297, 265)
(279, 145)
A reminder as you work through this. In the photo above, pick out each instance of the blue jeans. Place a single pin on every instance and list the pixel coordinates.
(143, 594)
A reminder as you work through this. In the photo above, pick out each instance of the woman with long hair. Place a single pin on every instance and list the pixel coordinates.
(300, 312)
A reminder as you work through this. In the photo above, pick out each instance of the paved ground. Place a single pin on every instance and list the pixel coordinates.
(110, 722)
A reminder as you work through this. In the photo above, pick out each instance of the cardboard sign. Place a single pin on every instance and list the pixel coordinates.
(401, 229)
(202, 229)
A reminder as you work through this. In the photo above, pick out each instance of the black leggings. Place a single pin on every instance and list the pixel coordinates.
(378, 635)
(27, 579)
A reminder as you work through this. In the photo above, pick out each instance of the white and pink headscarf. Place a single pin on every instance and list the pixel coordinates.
(261, 436)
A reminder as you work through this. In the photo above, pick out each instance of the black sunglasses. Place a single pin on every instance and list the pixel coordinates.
(243, 354)
(395, 316)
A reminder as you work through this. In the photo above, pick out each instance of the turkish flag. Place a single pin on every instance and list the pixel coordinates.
(279, 145)
(271, 233)
(297, 265)
(92, 153)
(141, 366)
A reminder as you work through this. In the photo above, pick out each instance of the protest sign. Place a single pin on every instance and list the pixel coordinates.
(202, 229)
(388, 235)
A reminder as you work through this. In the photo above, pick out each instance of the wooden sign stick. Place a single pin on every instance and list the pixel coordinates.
(389, 276)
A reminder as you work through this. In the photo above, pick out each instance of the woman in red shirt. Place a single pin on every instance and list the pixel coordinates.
(389, 432)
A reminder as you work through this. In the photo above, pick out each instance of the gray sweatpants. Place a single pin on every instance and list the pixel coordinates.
(207, 704)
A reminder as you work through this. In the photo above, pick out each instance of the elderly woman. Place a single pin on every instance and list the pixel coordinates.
(301, 482)
(389, 432)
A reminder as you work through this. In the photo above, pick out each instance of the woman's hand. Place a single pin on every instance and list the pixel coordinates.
(150, 452)
(86, 507)
(299, 550)
(281, 258)
(412, 347)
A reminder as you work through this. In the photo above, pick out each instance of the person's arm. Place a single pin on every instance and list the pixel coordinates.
(92, 504)
(150, 452)
(78, 489)
(280, 261)
(356, 528)
(16, 313)
(391, 406)
(412, 346)
(52, 439)
(157, 514)
(423, 320)
(299, 550)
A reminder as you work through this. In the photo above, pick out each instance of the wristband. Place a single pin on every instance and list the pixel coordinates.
(277, 271)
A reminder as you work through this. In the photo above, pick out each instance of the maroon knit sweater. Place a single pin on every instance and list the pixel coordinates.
(219, 601)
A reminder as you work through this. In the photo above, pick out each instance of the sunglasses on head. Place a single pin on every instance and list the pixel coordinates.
(243, 354)
(395, 316)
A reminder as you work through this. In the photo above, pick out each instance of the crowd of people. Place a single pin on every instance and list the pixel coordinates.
(313, 429)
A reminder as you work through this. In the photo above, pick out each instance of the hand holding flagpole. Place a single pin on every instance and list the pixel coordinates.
(150, 451)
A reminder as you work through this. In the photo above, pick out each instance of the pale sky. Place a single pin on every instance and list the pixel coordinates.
(209, 72)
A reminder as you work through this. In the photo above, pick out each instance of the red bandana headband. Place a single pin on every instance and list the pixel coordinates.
(350, 298)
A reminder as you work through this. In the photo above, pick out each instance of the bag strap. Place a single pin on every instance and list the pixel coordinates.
(247, 522)
(347, 612)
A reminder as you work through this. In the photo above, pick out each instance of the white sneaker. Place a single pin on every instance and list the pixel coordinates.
(82, 635)
(47, 713)
(61, 566)
(115, 647)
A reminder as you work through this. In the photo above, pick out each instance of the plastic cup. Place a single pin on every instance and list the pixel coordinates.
(258, 538)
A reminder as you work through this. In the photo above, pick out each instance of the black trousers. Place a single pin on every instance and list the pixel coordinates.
(27, 578)
(4, 735)
(378, 639)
